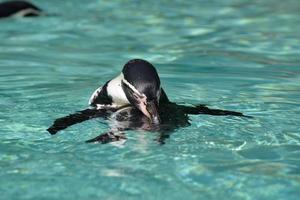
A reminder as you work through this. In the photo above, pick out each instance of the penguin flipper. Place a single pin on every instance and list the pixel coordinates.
(202, 109)
(78, 117)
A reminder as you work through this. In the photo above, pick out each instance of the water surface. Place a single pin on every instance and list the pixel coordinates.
(235, 55)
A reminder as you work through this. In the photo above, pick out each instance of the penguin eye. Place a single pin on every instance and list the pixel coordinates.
(135, 96)
(131, 91)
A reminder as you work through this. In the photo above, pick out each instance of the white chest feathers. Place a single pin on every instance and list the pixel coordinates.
(115, 90)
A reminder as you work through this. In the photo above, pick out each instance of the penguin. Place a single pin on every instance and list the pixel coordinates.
(19, 8)
(137, 85)
(135, 100)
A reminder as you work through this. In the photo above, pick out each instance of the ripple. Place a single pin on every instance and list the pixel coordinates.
(241, 56)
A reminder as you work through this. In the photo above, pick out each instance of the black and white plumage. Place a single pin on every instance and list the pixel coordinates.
(19, 8)
(134, 100)
(138, 85)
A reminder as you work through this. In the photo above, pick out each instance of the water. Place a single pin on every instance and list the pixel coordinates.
(236, 55)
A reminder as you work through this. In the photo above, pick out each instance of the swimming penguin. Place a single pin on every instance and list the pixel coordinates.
(135, 100)
(19, 8)
(137, 85)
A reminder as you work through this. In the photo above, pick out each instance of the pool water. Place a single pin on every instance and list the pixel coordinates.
(234, 55)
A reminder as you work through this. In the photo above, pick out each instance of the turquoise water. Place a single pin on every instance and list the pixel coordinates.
(235, 55)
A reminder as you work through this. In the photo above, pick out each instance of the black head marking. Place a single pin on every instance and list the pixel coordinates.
(143, 76)
(9, 8)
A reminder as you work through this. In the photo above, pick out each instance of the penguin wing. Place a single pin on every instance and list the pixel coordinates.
(75, 118)
(100, 96)
(202, 109)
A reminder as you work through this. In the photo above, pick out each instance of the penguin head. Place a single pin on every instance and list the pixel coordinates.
(141, 86)
(19, 8)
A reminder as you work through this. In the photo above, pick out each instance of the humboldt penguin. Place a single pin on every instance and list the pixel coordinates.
(135, 100)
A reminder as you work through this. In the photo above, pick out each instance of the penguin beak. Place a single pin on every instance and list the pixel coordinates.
(150, 109)
(139, 100)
